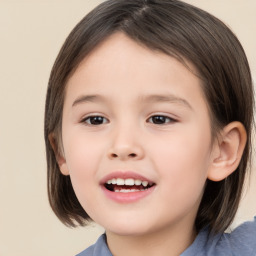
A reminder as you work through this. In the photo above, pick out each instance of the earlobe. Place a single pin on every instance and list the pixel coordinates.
(230, 149)
(59, 157)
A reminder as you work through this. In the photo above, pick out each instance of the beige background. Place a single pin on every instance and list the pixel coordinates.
(31, 33)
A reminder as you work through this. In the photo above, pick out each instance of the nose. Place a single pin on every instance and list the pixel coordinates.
(126, 146)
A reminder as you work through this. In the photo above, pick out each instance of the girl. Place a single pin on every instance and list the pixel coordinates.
(148, 130)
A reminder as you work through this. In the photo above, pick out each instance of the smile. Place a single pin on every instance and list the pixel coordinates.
(129, 185)
(126, 186)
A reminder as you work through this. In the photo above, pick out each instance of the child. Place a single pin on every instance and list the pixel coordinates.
(148, 124)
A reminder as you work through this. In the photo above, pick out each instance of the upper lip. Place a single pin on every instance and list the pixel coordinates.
(124, 175)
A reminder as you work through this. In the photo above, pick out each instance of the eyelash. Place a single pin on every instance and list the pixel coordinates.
(89, 120)
(161, 120)
(97, 120)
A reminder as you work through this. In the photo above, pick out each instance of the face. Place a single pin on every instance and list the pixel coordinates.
(136, 138)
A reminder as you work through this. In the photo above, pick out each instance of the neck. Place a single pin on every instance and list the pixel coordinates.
(170, 241)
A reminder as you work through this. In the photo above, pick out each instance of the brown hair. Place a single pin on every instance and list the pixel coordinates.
(186, 33)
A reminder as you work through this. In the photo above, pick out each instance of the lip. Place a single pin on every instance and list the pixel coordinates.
(129, 197)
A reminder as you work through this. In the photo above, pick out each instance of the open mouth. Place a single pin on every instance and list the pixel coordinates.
(127, 185)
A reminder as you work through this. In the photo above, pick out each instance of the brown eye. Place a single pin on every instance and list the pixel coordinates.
(95, 120)
(160, 119)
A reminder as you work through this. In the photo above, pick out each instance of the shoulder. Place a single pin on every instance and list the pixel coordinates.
(241, 241)
(100, 248)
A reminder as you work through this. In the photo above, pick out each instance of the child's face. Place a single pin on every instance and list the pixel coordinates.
(149, 122)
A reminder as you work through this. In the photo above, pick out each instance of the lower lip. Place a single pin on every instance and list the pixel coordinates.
(128, 197)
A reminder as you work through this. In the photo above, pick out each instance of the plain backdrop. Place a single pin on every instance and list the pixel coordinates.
(31, 34)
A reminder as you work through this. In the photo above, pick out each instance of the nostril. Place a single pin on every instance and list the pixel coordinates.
(113, 155)
(132, 155)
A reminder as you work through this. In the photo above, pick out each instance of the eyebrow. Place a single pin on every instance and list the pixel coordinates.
(87, 98)
(166, 98)
(147, 98)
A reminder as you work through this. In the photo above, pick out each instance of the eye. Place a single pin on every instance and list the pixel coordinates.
(95, 120)
(158, 119)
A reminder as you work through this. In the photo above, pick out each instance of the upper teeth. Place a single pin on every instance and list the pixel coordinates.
(127, 182)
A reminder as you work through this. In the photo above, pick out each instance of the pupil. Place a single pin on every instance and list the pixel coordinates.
(158, 119)
(96, 120)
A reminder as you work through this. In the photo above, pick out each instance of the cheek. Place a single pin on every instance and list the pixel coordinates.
(83, 156)
(183, 160)
(81, 151)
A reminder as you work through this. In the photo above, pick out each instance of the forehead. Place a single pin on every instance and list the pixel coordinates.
(121, 64)
(116, 46)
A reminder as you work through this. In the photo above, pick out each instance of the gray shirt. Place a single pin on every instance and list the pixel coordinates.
(240, 242)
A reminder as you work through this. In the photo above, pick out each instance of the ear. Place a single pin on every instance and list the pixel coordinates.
(59, 156)
(228, 151)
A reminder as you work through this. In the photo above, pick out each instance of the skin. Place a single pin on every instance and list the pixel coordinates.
(129, 88)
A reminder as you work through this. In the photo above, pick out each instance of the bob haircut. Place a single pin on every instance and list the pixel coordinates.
(186, 33)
